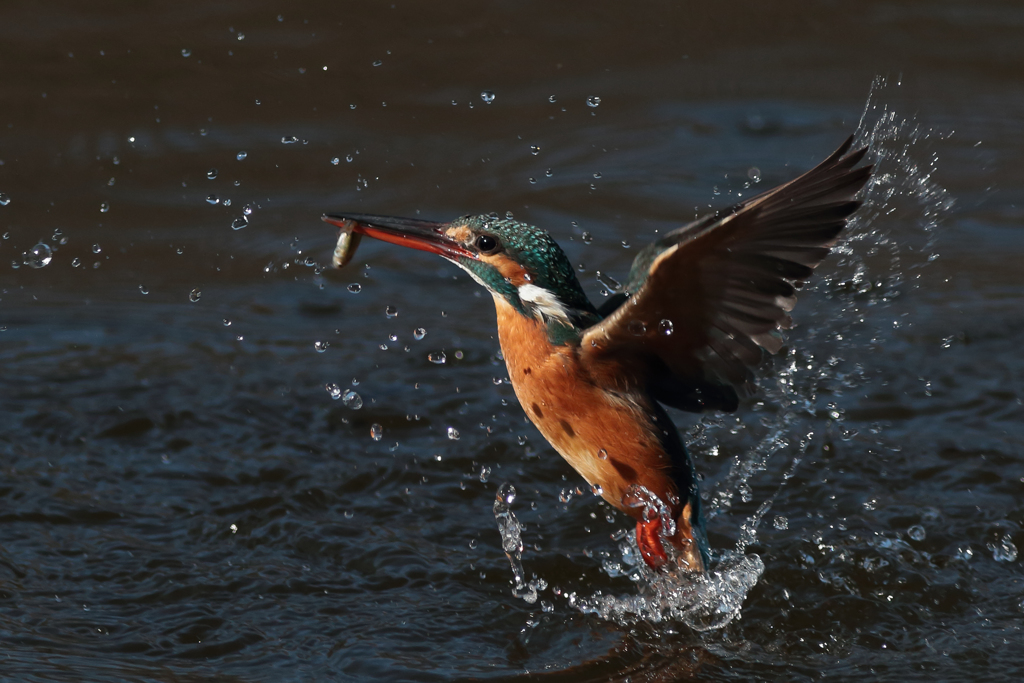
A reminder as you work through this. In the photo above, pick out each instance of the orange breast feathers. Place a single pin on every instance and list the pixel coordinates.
(608, 437)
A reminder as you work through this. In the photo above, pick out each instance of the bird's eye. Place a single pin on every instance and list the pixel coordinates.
(486, 244)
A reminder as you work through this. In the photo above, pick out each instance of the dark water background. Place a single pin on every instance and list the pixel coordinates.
(181, 499)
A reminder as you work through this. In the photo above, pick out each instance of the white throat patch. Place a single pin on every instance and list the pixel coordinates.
(543, 301)
(546, 303)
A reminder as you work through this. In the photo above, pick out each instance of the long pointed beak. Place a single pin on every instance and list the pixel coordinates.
(407, 232)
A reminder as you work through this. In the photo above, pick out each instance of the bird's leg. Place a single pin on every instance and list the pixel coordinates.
(652, 532)
(648, 539)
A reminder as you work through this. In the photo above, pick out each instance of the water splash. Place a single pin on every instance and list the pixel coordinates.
(849, 298)
(704, 603)
(802, 407)
(512, 543)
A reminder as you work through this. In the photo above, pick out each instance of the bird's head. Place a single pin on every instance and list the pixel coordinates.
(516, 262)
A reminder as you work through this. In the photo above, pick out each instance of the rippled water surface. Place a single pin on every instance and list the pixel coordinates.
(222, 460)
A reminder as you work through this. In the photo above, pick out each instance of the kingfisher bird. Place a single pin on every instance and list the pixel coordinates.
(700, 309)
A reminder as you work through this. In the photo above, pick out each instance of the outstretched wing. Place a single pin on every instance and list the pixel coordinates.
(704, 302)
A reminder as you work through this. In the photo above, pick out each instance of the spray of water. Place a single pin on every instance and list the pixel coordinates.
(888, 239)
(511, 530)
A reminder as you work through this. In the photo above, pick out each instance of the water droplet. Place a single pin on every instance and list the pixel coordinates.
(194, 295)
(587, 238)
(533, 181)
(602, 454)
(637, 328)
(597, 175)
(241, 155)
(213, 199)
(781, 523)
(4, 199)
(335, 161)
(391, 311)
(745, 491)
(334, 390)
(226, 202)
(104, 207)
(38, 256)
(234, 528)
(211, 174)
(289, 140)
(142, 288)
(355, 288)
(377, 62)
(666, 327)
(75, 262)
(247, 209)
(453, 433)
(597, 490)
(239, 223)
(419, 333)
(96, 249)
(1005, 551)
(487, 96)
(185, 52)
(506, 493)
(241, 36)
(321, 346)
(376, 432)
(437, 357)
(552, 99)
(348, 158)
(754, 173)
(916, 533)
(625, 244)
(352, 400)
(227, 323)
(593, 101)
(534, 150)
(472, 544)
(485, 472)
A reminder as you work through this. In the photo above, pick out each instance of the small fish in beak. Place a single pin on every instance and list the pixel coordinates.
(348, 242)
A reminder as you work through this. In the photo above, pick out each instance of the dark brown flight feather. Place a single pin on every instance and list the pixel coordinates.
(705, 301)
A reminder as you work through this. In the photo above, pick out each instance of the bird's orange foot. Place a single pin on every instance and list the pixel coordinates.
(648, 539)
